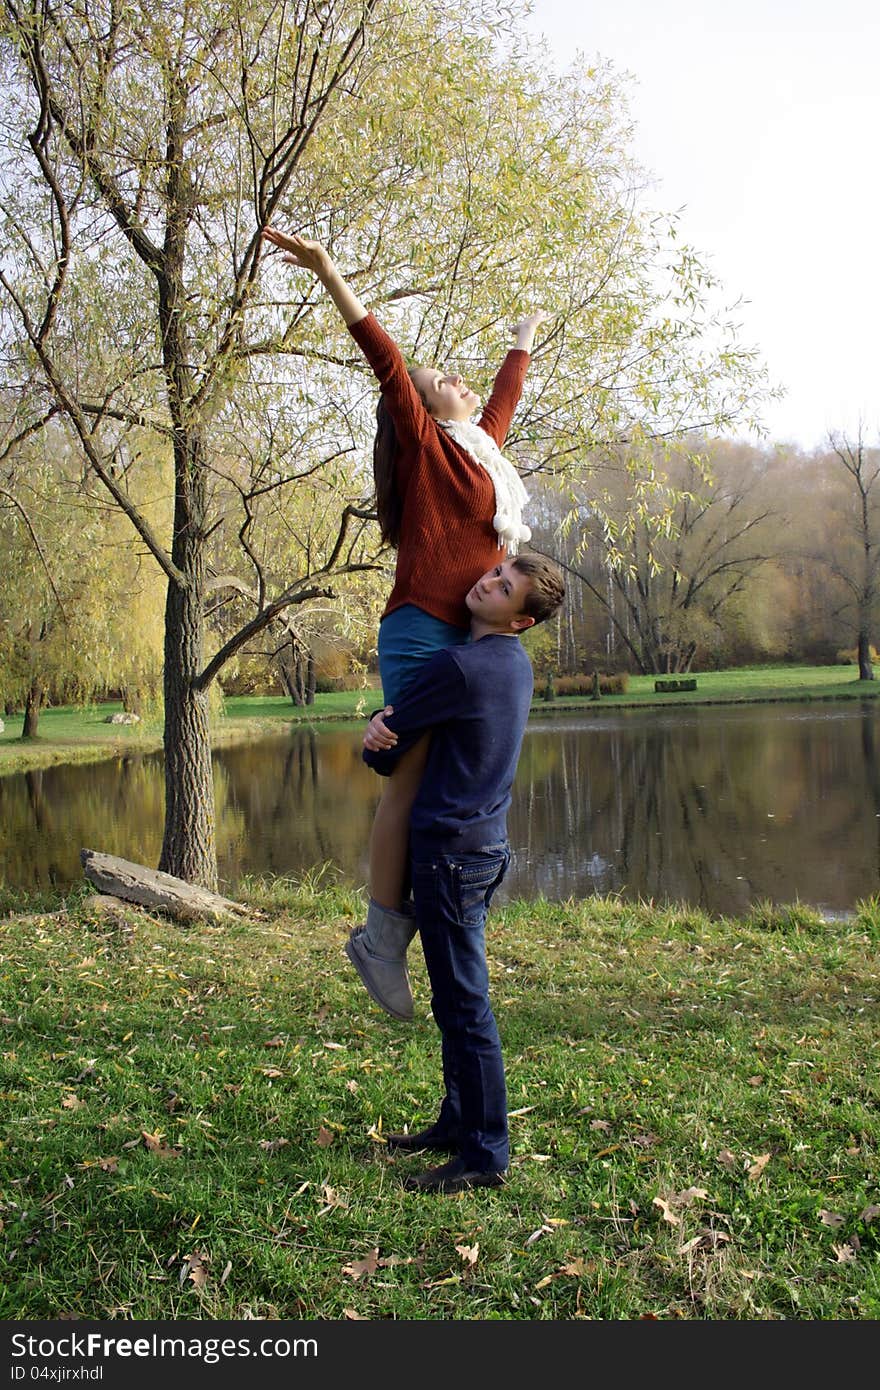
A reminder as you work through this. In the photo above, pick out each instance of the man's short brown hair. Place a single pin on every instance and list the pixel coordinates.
(546, 584)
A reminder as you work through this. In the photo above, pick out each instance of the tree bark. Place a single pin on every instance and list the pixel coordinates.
(154, 890)
(189, 849)
(33, 703)
(866, 669)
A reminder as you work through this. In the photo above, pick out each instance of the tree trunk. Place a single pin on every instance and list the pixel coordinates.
(866, 670)
(296, 666)
(133, 701)
(32, 706)
(189, 849)
(134, 883)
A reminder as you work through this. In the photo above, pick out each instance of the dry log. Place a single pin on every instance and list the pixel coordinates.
(154, 890)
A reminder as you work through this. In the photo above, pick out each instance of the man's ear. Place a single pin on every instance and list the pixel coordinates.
(520, 624)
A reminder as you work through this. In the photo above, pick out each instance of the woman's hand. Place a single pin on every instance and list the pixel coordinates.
(524, 331)
(378, 736)
(311, 255)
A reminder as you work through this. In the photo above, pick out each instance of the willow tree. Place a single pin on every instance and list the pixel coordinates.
(457, 181)
(695, 546)
(77, 608)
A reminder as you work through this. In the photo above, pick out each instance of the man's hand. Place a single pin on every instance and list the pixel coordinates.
(311, 255)
(524, 331)
(378, 736)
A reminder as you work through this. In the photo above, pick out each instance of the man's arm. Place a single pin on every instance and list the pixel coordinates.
(437, 694)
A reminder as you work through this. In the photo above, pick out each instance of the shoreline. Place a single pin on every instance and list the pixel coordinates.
(16, 757)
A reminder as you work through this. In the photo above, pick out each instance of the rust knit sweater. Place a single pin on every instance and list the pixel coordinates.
(447, 539)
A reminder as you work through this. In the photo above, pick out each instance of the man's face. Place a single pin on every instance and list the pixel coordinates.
(498, 598)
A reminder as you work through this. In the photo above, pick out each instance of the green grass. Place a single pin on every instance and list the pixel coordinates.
(195, 1119)
(763, 683)
(70, 734)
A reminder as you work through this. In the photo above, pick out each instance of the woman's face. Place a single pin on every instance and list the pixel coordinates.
(446, 396)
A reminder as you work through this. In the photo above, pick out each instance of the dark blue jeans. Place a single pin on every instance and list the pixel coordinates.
(451, 894)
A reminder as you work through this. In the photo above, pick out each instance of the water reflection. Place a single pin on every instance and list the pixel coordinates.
(718, 808)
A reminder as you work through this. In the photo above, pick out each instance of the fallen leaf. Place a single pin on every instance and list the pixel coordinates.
(869, 1213)
(759, 1165)
(645, 1141)
(525, 1110)
(275, 1042)
(690, 1194)
(358, 1268)
(109, 1165)
(612, 1148)
(845, 1253)
(668, 1214)
(541, 1231)
(332, 1199)
(226, 1273)
(351, 1086)
(72, 1102)
(352, 1316)
(690, 1245)
(195, 1268)
(468, 1253)
(708, 1240)
(272, 1072)
(576, 1267)
(542, 1283)
(755, 1081)
(604, 1125)
(831, 1218)
(273, 1145)
(155, 1145)
(325, 1137)
(727, 1159)
(335, 1047)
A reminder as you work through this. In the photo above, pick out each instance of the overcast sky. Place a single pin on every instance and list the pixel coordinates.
(760, 122)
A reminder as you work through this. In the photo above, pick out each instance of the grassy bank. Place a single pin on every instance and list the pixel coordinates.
(72, 734)
(195, 1119)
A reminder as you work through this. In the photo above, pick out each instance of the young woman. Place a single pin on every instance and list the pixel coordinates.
(451, 504)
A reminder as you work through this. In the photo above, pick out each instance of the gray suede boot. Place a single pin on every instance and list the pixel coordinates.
(378, 954)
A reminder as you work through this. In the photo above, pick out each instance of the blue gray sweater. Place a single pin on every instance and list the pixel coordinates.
(475, 701)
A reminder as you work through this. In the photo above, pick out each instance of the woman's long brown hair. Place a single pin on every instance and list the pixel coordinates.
(389, 507)
(386, 448)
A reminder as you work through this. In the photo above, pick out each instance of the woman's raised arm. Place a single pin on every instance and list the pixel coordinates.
(524, 331)
(311, 255)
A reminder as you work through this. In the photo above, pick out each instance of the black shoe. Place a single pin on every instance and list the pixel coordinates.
(431, 1138)
(452, 1177)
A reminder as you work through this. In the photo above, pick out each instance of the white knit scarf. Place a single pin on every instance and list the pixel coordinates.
(510, 495)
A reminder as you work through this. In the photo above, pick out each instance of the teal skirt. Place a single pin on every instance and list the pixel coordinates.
(407, 638)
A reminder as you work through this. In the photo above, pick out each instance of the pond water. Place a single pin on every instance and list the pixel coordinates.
(715, 807)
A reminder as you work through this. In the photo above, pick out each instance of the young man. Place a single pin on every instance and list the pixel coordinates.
(475, 700)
